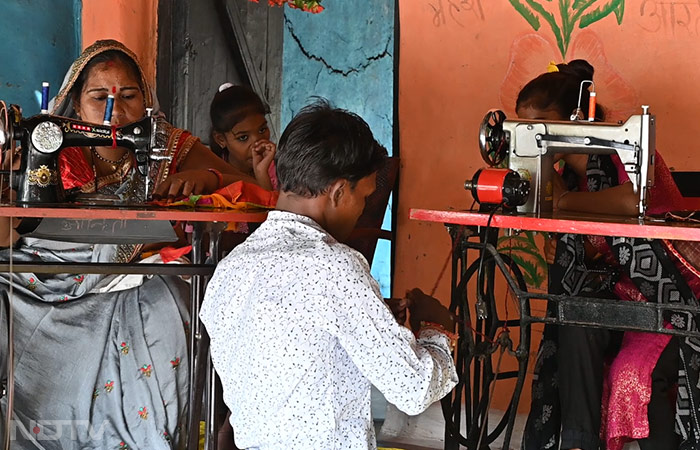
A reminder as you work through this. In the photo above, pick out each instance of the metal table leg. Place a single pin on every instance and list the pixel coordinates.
(202, 374)
(474, 350)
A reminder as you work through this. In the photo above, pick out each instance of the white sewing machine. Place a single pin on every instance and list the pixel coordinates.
(528, 147)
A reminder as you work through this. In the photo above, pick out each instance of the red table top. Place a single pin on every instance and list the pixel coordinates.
(68, 211)
(568, 223)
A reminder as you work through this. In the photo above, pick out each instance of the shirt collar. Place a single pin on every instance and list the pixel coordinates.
(281, 217)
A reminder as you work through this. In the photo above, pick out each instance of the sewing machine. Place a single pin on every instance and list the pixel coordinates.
(528, 148)
(43, 136)
(38, 180)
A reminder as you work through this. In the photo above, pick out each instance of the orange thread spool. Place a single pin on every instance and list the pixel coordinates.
(591, 107)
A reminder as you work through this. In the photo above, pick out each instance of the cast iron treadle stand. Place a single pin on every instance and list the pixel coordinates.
(473, 356)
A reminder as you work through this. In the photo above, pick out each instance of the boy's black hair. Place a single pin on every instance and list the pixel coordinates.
(229, 107)
(323, 144)
(559, 90)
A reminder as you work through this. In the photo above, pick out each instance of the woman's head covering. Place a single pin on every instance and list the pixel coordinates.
(62, 104)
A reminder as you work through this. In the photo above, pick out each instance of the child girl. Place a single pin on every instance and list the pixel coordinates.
(240, 133)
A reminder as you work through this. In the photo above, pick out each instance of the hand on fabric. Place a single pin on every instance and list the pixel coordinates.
(263, 154)
(425, 308)
(399, 308)
(185, 183)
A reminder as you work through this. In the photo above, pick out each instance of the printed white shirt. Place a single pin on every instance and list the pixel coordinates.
(299, 332)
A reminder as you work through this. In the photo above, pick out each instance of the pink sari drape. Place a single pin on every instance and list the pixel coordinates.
(627, 390)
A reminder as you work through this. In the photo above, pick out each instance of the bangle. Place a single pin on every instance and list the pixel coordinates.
(219, 177)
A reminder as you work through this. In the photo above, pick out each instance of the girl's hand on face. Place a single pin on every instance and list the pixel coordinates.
(263, 154)
(186, 183)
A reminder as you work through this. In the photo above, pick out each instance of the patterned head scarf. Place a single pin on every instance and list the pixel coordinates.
(62, 104)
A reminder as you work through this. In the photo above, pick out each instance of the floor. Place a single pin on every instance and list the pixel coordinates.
(426, 431)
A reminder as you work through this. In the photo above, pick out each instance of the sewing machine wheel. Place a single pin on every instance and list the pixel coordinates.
(492, 139)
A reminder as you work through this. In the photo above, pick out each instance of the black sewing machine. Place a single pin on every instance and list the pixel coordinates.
(43, 136)
(38, 180)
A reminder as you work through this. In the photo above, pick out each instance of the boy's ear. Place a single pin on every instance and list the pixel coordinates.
(337, 191)
(219, 138)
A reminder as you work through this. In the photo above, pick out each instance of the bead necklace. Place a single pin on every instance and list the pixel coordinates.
(112, 162)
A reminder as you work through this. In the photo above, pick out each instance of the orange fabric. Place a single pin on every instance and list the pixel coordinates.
(168, 254)
(238, 195)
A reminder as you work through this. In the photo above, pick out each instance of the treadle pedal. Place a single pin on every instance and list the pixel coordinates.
(507, 375)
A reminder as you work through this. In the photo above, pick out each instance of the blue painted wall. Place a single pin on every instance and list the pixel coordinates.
(40, 39)
(345, 54)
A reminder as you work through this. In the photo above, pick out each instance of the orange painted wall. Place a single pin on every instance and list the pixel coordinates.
(133, 22)
(458, 59)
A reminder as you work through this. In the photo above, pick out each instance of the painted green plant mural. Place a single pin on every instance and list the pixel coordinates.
(570, 14)
(527, 254)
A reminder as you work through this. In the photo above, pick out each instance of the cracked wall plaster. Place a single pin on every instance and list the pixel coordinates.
(345, 54)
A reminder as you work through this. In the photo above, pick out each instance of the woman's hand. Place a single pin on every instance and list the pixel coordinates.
(559, 190)
(263, 154)
(186, 183)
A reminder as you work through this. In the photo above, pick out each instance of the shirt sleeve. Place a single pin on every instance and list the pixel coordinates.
(412, 374)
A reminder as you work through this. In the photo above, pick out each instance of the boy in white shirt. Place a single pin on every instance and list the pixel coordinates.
(299, 330)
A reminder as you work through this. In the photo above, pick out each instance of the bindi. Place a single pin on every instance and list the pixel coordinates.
(114, 89)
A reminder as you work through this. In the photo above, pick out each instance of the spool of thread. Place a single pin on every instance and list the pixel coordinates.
(45, 97)
(108, 110)
(591, 107)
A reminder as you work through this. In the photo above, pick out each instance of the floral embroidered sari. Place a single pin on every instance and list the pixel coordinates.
(97, 369)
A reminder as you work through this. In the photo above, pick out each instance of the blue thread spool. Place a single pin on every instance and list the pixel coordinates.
(108, 110)
(45, 97)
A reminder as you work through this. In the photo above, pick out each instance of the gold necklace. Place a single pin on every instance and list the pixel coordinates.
(112, 162)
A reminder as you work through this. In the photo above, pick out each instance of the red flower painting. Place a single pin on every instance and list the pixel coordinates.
(530, 54)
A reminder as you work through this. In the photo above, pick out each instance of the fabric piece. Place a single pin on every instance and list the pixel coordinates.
(299, 332)
(78, 357)
(169, 254)
(629, 393)
(238, 195)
